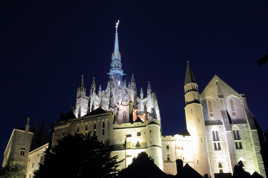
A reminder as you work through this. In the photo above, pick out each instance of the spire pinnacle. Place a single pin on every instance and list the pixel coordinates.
(116, 43)
(116, 65)
(189, 75)
(82, 84)
(141, 94)
(93, 86)
(27, 125)
(149, 88)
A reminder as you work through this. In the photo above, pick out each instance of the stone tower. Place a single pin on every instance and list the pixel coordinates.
(18, 147)
(81, 105)
(195, 121)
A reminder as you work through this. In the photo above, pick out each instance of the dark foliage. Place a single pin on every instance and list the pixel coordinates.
(239, 171)
(187, 171)
(41, 135)
(263, 60)
(142, 167)
(78, 156)
(11, 172)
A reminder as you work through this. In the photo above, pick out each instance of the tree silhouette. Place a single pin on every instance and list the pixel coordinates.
(263, 60)
(78, 156)
(12, 172)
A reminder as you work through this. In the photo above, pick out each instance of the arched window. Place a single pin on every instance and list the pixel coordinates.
(216, 140)
(220, 167)
(210, 108)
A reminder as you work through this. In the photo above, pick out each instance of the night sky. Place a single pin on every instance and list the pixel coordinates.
(46, 45)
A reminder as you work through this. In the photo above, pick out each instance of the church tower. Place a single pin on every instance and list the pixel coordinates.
(195, 121)
(81, 106)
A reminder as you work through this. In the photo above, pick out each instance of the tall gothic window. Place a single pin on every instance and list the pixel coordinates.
(237, 139)
(232, 106)
(216, 140)
(220, 167)
(210, 109)
(236, 135)
(215, 135)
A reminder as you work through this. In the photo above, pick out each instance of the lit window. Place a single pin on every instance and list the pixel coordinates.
(236, 135)
(216, 140)
(220, 168)
(22, 153)
(215, 135)
(238, 145)
(138, 144)
(168, 158)
(217, 146)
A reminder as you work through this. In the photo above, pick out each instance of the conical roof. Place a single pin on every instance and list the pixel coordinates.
(189, 75)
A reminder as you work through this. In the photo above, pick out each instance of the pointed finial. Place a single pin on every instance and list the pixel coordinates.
(27, 125)
(132, 78)
(149, 88)
(141, 93)
(82, 85)
(93, 85)
(116, 25)
(100, 90)
(189, 75)
(116, 65)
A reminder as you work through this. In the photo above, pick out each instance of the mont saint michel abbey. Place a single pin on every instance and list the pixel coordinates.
(222, 130)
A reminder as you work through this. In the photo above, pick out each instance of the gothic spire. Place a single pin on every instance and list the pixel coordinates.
(82, 84)
(116, 65)
(189, 75)
(93, 86)
(27, 125)
(141, 94)
(81, 90)
(149, 88)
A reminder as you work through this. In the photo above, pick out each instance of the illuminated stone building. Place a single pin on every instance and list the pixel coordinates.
(221, 129)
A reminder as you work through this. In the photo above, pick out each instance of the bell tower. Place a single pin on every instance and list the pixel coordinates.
(195, 121)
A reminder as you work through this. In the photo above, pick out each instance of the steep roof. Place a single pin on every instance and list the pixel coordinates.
(217, 87)
(189, 75)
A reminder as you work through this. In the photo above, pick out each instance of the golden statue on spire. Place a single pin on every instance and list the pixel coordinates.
(117, 24)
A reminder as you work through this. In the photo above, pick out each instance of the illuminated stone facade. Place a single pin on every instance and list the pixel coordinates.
(221, 129)
(35, 157)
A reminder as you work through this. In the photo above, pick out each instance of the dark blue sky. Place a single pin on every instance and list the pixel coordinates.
(46, 45)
